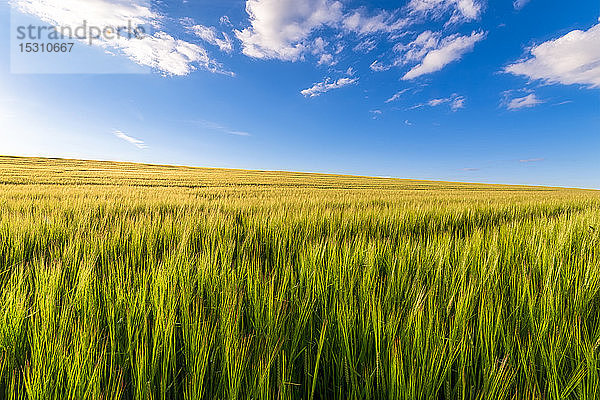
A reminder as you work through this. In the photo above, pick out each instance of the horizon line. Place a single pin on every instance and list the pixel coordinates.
(332, 174)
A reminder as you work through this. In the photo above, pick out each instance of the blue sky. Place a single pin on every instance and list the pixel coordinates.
(460, 90)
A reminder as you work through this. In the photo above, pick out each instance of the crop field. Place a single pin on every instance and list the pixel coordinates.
(130, 281)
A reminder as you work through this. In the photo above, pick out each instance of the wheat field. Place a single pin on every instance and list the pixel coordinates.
(131, 281)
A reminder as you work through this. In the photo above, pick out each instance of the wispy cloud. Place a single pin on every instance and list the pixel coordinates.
(397, 95)
(376, 113)
(436, 53)
(136, 142)
(210, 35)
(455, 102)
(325, 86)
(429, 52)
(531, 100)
(531, 160)
(220, 128)
(461, 9)
(366, 46)
(458, 103)
(562, 103)
(470, 169)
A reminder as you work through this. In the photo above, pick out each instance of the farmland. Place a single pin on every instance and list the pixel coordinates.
(122, 281)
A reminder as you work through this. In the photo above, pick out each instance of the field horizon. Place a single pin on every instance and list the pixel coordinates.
(22, 161)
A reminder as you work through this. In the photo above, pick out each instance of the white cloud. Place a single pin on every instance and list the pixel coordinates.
(571, 59)
(218, 127)
(293, 30)
(418, 48)
(462, 9)
(518, 4)
(98, 13)
(397, 95)
(160, 50)
(430, 51)
(210, 35)
(528, 101)
(455, 102)
(532, 160)
(284, 29)
(471, 9)
(168, 55)
(458, 103)
(328, 84)
(279, 29)
(383, 21)
(136, 142)
(436, 54)
(366, 46)
(377, 66)
(437, 102)
(376, 114)
(562, 103)
(224, 20)
(319, 45)
(326, 59)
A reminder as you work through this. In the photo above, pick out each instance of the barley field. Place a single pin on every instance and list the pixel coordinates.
(130, 281)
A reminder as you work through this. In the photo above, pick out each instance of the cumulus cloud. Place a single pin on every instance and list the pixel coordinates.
(136, 142)
(293, 30)
(285, 29)
(328, 84)
(279, 29)
(528, 101)
(160, 51)
(571, 59)
(435, 53)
